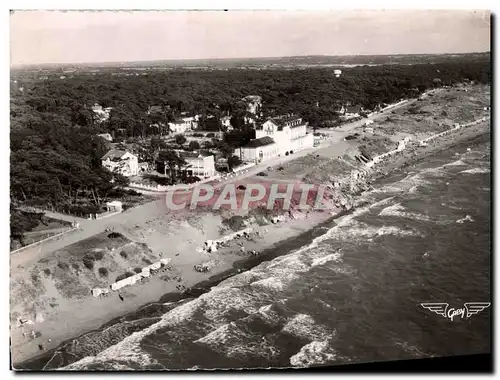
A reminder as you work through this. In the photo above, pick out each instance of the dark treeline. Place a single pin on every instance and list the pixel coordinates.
(56, 156)
(315, 94)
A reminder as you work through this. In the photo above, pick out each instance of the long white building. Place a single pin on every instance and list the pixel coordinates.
(278, 136)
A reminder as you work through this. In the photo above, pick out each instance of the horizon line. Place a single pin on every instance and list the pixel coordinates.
(238, 58)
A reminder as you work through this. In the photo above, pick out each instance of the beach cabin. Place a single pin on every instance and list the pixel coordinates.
(114, 206)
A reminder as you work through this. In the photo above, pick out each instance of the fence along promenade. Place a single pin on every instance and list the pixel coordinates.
(378, 158)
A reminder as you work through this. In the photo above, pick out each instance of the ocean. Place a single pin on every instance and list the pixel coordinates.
(348, 291)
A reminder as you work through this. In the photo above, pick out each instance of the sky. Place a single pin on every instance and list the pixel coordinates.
(110, 36)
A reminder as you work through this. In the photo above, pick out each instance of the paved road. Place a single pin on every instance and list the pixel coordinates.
(138, 214)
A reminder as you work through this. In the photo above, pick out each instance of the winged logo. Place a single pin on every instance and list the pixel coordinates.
(437, 307)
(476, 307)
(469, 309)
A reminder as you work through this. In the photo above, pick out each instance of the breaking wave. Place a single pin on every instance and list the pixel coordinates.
(476, 171)
(398, 210)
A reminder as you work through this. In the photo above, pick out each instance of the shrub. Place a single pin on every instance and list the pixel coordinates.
(103, 272)
(123, 276)
(146, 261)
(62, 265)
(114, 235)
(123, 254)
(193, 145)
(88, 263)
(35, 280)
(98, 255)
(46, 271)
(76, 266)
(211, 134)
(137, 270)
(132, 192)
(236, 222)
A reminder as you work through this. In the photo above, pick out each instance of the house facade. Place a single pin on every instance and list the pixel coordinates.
(200, 166)
(122, 162)
(184, 124)
(258, 150)
(288, 131)
(281, 135)
(179, 126)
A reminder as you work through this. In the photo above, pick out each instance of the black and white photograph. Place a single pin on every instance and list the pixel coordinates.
(196, 190)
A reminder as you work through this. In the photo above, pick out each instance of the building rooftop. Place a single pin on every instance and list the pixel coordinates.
(114, 154)
(106, 136)
(284, 120)
(263, 141)
(192, 155)
(252, 98)
(353, 109)
(155, 109)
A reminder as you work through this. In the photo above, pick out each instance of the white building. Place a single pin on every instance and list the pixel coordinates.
(121, 161)
(258, 150)
(114, 206)
(179, 126)
(184, 124)
(254, 103)
(200, 166)
(402, 143)
(100, 113)
(280, 135)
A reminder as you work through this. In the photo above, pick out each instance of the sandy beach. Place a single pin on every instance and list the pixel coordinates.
(179, 238)
(74, 317)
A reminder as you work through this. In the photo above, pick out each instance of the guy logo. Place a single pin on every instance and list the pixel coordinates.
(470, 309)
